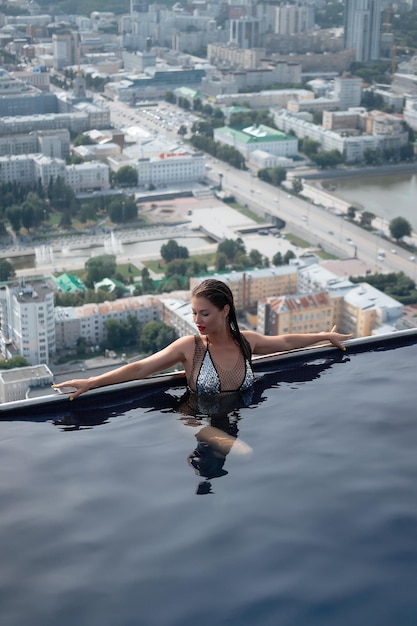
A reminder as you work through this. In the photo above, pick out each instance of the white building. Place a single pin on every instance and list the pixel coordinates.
(16, 383)
(171, 167)
(47, 168)
(27, 320)
(348, 91)
(92, 176)
(259, 137)
(410, 111)
(293, 18)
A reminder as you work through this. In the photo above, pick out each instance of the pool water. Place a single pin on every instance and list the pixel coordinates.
(105, 521)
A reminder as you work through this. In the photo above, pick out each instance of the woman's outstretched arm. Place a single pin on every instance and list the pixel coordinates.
(177, 352)
(266, 344)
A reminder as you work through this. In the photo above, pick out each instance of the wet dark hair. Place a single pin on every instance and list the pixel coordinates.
(220, 294)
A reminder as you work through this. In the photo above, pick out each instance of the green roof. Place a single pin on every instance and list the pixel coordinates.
(68, 283)
(255, 134)
(187, 92)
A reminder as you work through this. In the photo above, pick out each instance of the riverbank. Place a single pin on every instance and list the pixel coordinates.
(359, 172)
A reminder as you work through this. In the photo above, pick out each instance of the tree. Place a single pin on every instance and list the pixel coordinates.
(115, 334)
(83, 140)
(231, 248)
(399, 227)
(182, 130)
(148, 285)
(123, 209)
(7, 270)
(81, 346)
(277, 259)
(273, 175)
(288, 256)
(16, 361)
(255, 258)
(297, 185)
(366, 219)
(156, 336)
(14, 215)
(171, 250)
(126, 176)
(99, 267)
(351, 212)
(330, 158)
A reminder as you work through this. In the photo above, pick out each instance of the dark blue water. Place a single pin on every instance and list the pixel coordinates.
(317, 527)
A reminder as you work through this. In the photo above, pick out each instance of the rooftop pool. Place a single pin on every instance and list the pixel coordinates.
(116, 512)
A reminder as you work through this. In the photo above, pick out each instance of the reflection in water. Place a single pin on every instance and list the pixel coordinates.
(216, 417)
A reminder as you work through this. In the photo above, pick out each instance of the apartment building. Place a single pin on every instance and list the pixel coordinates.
(249, 287)
(89, 320)
(295, 313)
(368, 311)
(27, 320)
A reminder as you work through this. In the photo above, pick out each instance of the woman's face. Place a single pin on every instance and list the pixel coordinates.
(207, 317)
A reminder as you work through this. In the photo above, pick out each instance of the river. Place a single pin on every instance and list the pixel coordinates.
(386, 196)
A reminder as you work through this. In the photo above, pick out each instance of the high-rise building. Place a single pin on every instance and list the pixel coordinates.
(363, 28)
(27, 320)
(65, 49)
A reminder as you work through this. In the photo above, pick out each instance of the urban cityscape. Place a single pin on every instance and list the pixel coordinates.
(208, 312)
(144, 150)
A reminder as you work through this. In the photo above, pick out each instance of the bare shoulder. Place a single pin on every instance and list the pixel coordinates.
(185, 345)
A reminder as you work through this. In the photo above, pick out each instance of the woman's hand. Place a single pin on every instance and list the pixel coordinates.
(337, 338)
(81, 385)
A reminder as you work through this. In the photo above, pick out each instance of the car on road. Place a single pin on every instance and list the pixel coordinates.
(304, 218)
(412, 258)
(330, 232)
(393, 250)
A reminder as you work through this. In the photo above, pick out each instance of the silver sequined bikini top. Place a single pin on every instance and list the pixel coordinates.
(209, 378)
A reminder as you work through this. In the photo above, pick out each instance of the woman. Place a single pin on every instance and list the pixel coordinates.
(216, 360)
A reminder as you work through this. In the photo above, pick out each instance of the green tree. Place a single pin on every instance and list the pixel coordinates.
(156, 336)
(297, 185)
(115, 334)
(171, 250)
(366, 219)
(273, 175)
(123, 209)
(255, 258)
(231, 248)
(7, 270)
(81, 347)
(330, 158)
(399, 227)
(288, 256)
(126, 176)
(148, 285)
(15, 361)
(277, 259)
(99, 267)
(83, 140)
(13, 214)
